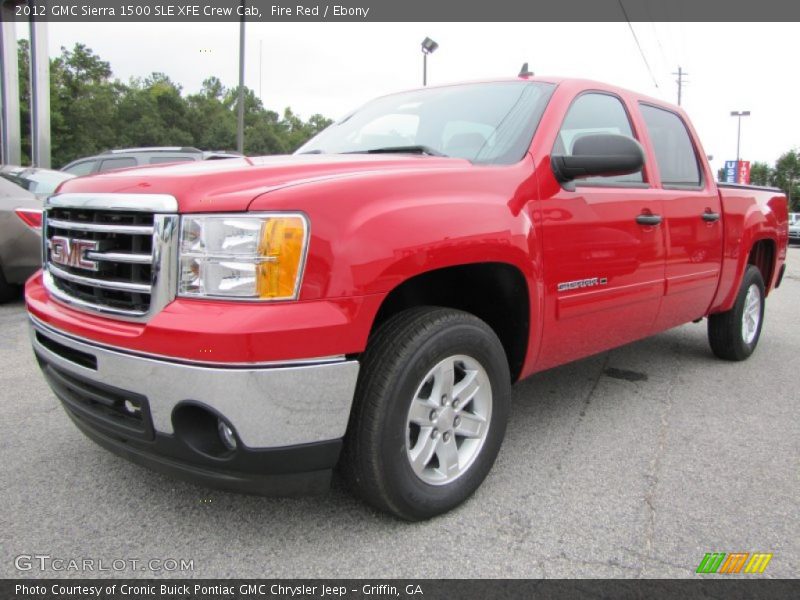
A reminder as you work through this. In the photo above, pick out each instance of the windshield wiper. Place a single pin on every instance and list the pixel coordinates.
(312, 152)
(400, 150)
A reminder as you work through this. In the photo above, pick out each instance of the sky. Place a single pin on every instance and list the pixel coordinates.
(330, 68)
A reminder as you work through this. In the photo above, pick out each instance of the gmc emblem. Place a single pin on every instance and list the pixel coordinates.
(72, 253)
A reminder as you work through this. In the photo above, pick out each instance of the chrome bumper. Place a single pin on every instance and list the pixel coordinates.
(268, 406)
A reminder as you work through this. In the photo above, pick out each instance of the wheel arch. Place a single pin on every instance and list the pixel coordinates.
(495, 292)
(763, 255)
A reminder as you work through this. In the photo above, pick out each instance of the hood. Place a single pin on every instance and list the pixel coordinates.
(232, 184)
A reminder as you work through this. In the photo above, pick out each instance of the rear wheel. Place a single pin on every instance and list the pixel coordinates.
(734, 334)
(429, 414)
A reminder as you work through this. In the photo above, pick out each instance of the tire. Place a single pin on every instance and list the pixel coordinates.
(405, 367)
(8, 291)
(734, 335)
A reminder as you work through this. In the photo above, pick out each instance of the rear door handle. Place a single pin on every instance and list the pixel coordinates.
(710, 217)
(648, 219)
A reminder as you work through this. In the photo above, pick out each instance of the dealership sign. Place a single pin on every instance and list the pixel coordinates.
(743, 172)
(737, 173)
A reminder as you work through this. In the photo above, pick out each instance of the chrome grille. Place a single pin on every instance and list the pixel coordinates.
(111, 253)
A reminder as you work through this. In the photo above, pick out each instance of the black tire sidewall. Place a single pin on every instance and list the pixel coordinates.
(413, 497)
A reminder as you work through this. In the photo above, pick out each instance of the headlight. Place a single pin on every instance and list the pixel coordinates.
(244, 256)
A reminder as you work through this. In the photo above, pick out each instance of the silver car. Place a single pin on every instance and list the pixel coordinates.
(794, 228)
(22, 191)
(125, 158)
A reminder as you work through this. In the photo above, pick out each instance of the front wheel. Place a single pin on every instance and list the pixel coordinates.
(734, 334)
(430, 412)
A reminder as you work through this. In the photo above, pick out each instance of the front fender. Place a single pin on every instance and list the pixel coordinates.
(372, 232)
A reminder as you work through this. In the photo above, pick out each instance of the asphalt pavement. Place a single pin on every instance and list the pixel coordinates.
(632, 463)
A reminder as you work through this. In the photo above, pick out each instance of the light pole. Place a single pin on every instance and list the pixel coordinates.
(739, 114)
(428, 47)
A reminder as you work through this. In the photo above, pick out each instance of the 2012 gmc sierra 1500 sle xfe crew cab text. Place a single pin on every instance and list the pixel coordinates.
(368, 301)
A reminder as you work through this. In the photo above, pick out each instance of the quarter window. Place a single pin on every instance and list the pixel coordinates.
(595, 113)
(116, 163)
(675, 154)
(81, 168)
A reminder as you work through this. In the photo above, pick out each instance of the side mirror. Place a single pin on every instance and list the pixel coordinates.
(599, 154)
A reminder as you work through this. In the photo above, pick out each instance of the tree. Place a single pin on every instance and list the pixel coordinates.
(91, 112)
(760, 173)
(23, 58)
(83, 105)
(786, 176)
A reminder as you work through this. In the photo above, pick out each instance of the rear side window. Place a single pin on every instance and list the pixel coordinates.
(157, 160)
(595, 113)
(81, 168)
(116, 163)
(675, 155)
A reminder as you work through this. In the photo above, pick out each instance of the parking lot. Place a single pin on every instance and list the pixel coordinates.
(632, 463)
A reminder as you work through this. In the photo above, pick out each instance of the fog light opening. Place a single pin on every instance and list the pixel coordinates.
(226, 435)
(204, 430)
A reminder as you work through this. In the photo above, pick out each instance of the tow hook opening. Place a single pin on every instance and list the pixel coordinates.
(204, 431)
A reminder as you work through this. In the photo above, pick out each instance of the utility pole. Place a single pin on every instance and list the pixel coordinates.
(681, 74)
(240, 115)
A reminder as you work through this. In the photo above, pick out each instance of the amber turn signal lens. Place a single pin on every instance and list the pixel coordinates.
(281, 248)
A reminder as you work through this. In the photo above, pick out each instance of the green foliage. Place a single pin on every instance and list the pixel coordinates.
(760, 173)
(90, 112)
(786, 175)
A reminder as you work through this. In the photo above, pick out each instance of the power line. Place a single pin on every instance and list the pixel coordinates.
(636, 39)
(658, 41)
(681, 82)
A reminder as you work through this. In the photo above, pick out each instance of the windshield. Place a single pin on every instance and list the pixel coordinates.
(37, 181)
(490, 123)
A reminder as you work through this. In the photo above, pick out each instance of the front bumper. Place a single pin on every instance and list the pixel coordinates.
(288, 420)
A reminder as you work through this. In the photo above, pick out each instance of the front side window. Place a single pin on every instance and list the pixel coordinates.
(675, 155)
(487, 123)
(595, 113)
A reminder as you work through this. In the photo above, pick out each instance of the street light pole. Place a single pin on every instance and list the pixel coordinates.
(428, 47)
(739, 114)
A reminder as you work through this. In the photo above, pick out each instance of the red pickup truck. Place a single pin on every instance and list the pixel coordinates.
(368, 301)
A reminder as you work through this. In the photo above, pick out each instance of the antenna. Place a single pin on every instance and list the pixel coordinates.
(524, 71)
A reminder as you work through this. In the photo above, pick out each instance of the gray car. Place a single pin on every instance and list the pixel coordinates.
(137, 157)
(22, 191)
(794, 228)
